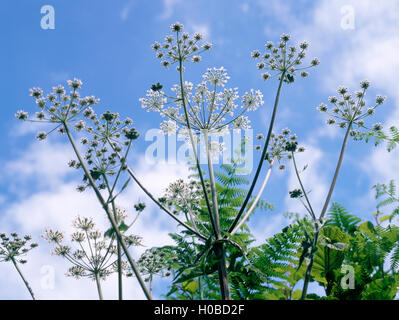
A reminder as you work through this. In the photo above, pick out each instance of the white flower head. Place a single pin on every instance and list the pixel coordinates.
(216, 76)
(154, 101)
(169, 127)
(242, 122)
(252, 100)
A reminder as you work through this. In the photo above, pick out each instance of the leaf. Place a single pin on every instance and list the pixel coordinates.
(109, 233)
(191, 286)
(123, 226)
(339, 217)
(381, 289)
(330, 254)
(367, 227)
(384, 218)
(296, 295)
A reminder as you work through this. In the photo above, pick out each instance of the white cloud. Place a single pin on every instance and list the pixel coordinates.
(44, 162)
(348, 56)
(368, 51)
(57, 203)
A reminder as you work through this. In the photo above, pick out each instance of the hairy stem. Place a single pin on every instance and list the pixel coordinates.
(263, 157)
(23, 278)
(104, 204)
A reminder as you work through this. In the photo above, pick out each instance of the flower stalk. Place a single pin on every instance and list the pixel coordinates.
(23, 279)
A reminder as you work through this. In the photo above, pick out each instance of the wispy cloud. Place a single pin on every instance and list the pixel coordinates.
(169, 8)
(125, 12)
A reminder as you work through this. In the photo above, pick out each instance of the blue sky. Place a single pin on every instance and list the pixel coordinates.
(108, 46)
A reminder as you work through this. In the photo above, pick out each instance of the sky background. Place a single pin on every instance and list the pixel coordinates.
(107, 44)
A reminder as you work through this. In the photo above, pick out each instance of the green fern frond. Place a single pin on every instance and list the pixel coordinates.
(339, 217)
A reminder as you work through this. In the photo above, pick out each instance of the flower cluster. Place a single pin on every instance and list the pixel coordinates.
(208, 107)
(14, 247)
(60, 107)
(94, 255)
(282, 59)
(180, 47)
(281, 147)
(348, 110)
(183, 197)
(109, 127)
(152, 263)
(107, 137)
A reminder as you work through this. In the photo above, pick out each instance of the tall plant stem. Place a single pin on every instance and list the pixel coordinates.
(118, 245)
(120, 274)
(263, 157)
(324, 210)
(99, 290)
(109, 214)
(200, 289)
(219, 248)
(309, 267)
(337, 169)
(151, 285)
(23, 278)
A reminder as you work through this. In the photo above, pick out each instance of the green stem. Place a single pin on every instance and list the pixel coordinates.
(263, 157)
(120, 275)
(337, 169)
(118, 246)
(309, 268)
(23, 279)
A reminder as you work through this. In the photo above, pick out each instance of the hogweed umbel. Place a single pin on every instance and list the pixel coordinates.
(91, 254)
(14, 249)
